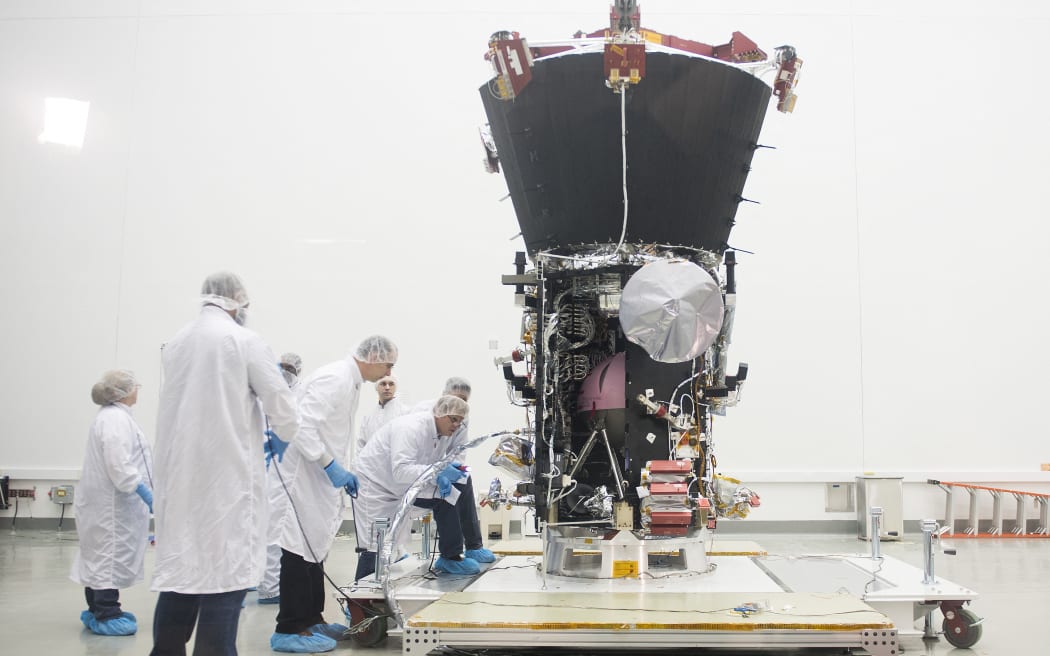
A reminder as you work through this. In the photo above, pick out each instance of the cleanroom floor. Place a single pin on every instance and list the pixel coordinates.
(41, 606)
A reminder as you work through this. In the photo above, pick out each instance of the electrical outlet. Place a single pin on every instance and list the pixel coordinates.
(13, 493)
(61, 494)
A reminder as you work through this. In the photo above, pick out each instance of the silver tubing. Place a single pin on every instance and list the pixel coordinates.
(379, 530)
(425, 479)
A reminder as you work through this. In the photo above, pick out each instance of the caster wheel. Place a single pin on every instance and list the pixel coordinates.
(962, 628)
(373, 635)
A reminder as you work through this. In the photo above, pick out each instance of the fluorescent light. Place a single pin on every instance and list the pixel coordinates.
(65, 121)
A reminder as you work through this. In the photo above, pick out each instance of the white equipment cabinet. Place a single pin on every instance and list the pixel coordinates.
(886, 492)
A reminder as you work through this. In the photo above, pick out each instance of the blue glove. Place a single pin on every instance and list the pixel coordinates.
(351, 487)
(274, 446)
(339, 476)
(146, 495)
(453, 472)
(444, 485)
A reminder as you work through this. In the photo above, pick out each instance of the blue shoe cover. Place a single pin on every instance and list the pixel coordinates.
(85, 618)
(333, 631)
(115, 626)
(481, 554)
(300, 644)
(276, 599)
(130, 616)
(466, 566)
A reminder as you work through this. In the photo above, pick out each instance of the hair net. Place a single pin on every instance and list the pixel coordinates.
(451, 405)
(376, 349)
(115, 385)
(292, 362)
(457, 384)
(224, 289)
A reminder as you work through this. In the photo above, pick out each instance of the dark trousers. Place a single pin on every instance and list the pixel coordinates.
(457, 527)
(302, 594)
(215, 616)
(103, 604)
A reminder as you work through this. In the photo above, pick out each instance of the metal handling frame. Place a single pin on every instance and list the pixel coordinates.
(746, 599)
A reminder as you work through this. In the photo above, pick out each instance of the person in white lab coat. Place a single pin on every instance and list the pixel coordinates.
(328, 402)
(454, 386)
(390, 407)
(269, 587)
(395, 457)
(112, 504)
(469, 524)
(211, 508)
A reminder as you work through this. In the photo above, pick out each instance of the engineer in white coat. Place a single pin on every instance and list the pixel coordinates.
(393, 460)
(211, 504)
(313, 476)
(269, 587)
(112, 505)
(469, 525)
(390, 407)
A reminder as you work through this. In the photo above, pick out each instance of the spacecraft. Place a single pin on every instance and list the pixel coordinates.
(626, 152)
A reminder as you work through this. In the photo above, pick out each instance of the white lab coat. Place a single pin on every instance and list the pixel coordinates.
(210, 502)
(327, 403)
(112, 520)
(391, 461)
(381, 416)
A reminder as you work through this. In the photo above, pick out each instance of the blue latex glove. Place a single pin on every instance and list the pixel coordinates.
(146, 495)
(452, 472)
(351, 487)
(339, 476)
(274, 446)
(444, 485)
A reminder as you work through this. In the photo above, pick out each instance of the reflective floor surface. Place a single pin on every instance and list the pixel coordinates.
(41, 606)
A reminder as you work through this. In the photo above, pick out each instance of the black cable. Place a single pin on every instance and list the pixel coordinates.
(358, 549)
(15, 516)
(366, 608)
(61, 516)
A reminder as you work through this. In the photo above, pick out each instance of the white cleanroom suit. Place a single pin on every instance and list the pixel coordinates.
(211, 503)
(388, 466)
(112, 520)
(327, 405)
(381, 416)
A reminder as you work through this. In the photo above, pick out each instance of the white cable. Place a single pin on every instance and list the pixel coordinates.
(623, 149)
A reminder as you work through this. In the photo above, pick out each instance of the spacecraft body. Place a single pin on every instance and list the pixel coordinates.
(625, 153)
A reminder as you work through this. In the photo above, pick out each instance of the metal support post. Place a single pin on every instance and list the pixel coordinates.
(379, 528)
(1043, 528)
(876, 520)
(971, 528)
(1020, 520)
(949, 510)
(427, 523)
(928, 630)
(997, 513)
(929, 528)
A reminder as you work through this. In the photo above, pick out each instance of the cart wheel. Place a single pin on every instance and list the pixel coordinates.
(373, 634)
(962, 628)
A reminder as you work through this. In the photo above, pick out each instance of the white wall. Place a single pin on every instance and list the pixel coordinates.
(893, 313)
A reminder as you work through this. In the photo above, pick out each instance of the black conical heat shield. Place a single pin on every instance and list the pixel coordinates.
(692, 127)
